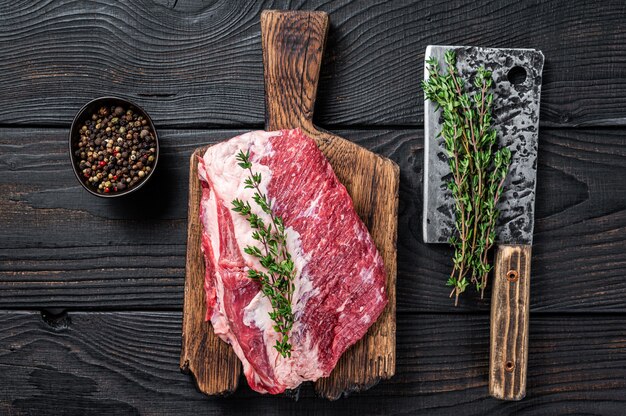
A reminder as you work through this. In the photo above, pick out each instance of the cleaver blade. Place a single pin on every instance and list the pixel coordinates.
(516, 120)
(517, 76)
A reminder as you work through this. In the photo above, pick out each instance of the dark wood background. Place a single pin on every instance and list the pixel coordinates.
(91, 290)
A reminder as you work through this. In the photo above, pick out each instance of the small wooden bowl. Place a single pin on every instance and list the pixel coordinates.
(86, 112)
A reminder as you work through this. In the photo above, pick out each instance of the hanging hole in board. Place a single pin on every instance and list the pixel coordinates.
(512, 275)
(516, 75)
(509, 366)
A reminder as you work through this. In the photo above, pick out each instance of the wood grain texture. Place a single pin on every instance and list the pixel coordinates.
(213, 364)
(59, 247)
(199, 63)
(510, 306)
(124, 363)
(293, 44)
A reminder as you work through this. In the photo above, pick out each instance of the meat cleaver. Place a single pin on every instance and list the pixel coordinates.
(517, 88)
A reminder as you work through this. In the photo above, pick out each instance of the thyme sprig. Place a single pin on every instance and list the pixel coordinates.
(277, 278)
(478, 168)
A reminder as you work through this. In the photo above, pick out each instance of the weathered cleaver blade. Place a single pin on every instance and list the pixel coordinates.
(517, 87)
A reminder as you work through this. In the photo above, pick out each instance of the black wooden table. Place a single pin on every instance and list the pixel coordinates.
(91, 290)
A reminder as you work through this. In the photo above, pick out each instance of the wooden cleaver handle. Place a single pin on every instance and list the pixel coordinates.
(293, 44)
(509, 322)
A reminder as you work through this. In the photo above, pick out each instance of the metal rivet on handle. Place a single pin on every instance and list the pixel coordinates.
(509, 366)
(512, 275)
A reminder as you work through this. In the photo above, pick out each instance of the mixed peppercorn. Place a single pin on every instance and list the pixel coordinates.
(116, 149)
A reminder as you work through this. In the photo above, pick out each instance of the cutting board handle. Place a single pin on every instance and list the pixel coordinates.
(509, 322)
(293, 45)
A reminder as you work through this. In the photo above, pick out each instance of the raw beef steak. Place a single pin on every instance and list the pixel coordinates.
(340, 282)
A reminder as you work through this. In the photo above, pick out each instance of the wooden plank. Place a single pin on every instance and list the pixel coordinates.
(199, 64)
(127, 363)
(60, 247)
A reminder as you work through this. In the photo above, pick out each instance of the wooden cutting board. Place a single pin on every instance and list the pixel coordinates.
(293, 44)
